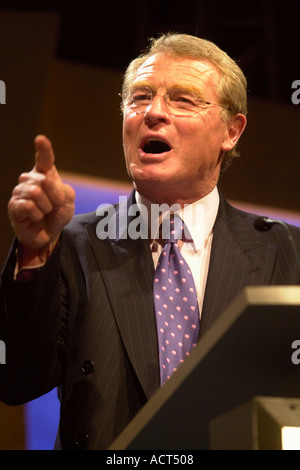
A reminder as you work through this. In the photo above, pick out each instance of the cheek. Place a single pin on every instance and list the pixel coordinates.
(200, 146)
(129, 134)
(207, 137)
(192, 141)
(127, 139)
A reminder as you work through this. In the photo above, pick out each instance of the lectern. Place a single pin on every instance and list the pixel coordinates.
(246, 353)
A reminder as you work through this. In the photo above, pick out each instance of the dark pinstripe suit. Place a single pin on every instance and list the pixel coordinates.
(90, 327)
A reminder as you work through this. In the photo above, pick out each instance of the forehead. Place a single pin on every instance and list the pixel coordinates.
(165, 70)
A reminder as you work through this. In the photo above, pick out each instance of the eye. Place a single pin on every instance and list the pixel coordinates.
(141, 96)
(183, 98)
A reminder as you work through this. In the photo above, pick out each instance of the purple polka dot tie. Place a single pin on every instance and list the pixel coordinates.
(176, 306)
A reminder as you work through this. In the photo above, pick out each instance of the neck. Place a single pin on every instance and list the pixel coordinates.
(167, 197)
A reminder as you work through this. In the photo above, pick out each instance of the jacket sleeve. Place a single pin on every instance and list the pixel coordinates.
(32, 326)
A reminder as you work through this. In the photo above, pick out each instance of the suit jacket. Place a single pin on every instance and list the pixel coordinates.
(86, 322)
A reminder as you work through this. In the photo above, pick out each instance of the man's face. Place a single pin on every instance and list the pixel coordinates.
(188, 168)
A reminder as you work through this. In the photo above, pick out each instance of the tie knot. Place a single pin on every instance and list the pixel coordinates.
(173, 229)
(176, 229)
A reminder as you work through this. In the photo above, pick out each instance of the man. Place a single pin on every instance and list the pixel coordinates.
(77, 306)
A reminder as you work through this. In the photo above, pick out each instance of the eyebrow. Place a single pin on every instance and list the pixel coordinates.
(176, 86)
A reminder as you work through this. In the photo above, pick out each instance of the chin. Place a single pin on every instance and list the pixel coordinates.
(150, 174)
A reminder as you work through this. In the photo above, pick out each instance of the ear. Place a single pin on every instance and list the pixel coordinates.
(235, 128)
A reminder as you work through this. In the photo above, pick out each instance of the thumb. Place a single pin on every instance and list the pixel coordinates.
(44, 157)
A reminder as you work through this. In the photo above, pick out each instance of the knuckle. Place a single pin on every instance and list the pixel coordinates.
(23, 177)
(11, 205)
(34, 191)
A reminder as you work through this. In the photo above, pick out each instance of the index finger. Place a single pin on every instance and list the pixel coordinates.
(44, 157)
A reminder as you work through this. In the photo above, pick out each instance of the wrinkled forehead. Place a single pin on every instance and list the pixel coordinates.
(166, 70)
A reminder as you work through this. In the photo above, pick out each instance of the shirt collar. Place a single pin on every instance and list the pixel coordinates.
(199, 217)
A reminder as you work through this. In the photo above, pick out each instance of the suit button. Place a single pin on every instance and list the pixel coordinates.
(81, 441)
(87, 367)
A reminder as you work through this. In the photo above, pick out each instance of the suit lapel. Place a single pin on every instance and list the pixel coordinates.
(126, 267)
(238, 259)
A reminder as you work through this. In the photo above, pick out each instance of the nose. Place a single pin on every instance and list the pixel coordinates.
(157, 109)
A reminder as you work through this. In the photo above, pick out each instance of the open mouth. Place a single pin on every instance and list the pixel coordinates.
(154, 146)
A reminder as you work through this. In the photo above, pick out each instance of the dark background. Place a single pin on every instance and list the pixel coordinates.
(262, 35)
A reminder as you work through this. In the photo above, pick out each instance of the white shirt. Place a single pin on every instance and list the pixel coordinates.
(199, 217)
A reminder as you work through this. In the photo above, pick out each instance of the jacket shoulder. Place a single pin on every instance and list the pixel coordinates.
(275, 230)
